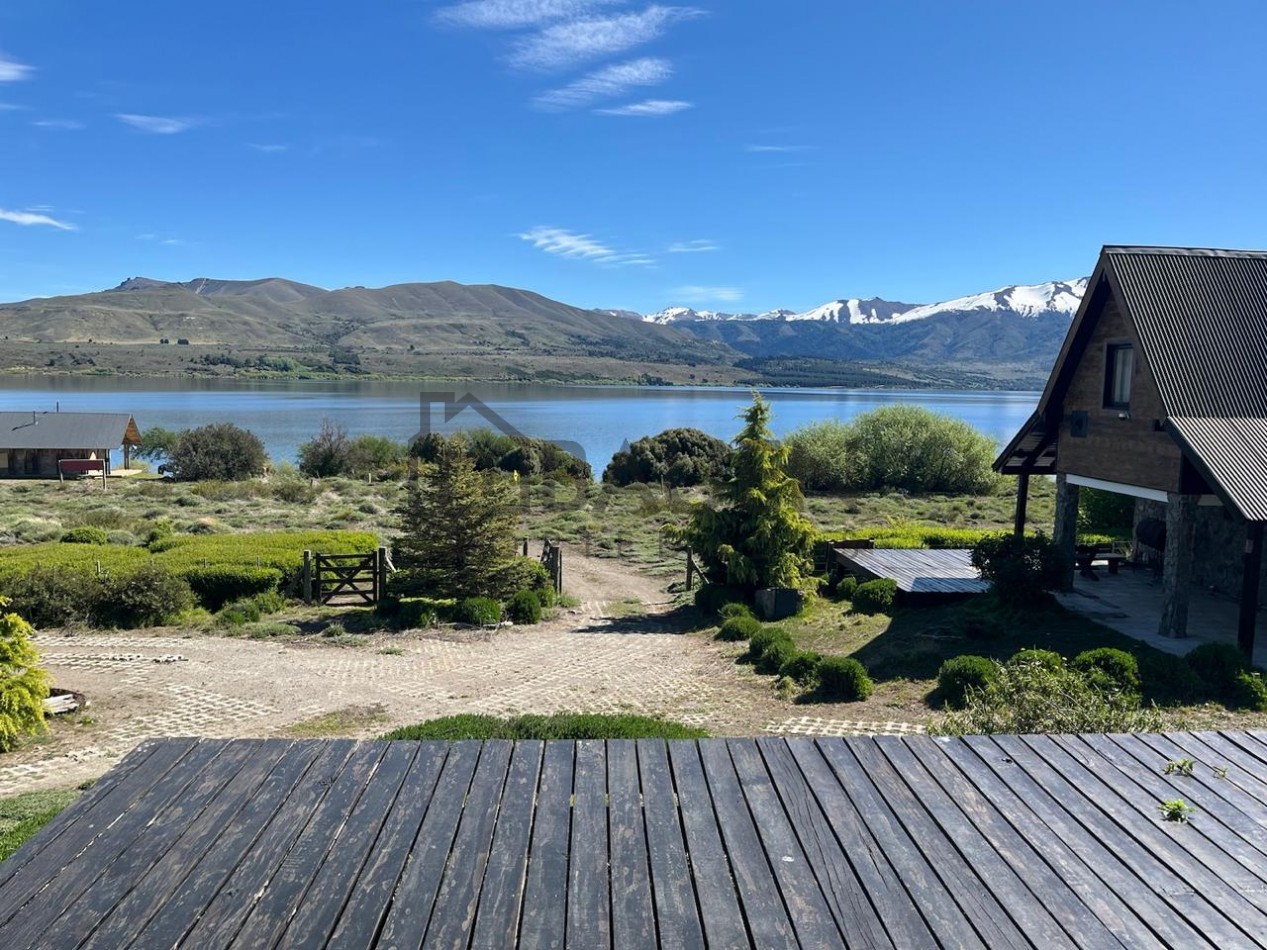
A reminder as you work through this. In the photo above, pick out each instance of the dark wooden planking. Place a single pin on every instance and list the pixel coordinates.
(1137, 835)
(858, 763)
(90, 827)
(1108, 887)
(42, 841)
(876, 879)
(501, 899)
(763, 908)
(632, 906)
(334, 881)
(131, 847)
(1217, 751)
(1025, 878)
(370, 898)
(546, 893)
(453, 917)
(813, 920)
(413, 897)
(1253, 743)
(589, 897)
(280, 897)
(717, 899)
(677, 913)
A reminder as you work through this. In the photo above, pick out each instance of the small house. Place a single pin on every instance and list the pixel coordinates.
(35, 444)
(1160, 393)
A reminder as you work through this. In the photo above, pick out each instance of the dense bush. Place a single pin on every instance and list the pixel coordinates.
(802, 667)
(370, 454)
(482, 611)
(86, 534)
(1021, 570)
(525, 573)
(524, 608)
(818, 455)
(843, 679)
(331, 453)
(557, 726)
(146, 597)
(739, 628)
(23, 684)
(1105, 512)
(676, 457)
(1169, 680)
(961, 674)
(711, 598)
(218, 451)
(215, 586)
(908, 534)
(1218, 665)
(250, 609)
(1108, 668)
(735, 609)
(764, 639)
(875, 597)
(846, 587)
(53, 598)
(1249, 691)
(507, 453)
(774, 656)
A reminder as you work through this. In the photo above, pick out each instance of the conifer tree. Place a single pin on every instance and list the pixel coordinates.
(458, 528)
(23, 684)
(752, 533)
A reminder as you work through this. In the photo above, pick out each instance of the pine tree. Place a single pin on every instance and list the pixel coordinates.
(753, 534)
(23, 684)
(458, 528)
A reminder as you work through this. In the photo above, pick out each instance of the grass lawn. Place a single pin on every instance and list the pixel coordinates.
(23, 815)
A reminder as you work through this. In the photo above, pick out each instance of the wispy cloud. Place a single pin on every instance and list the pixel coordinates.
(58, 125)
(694, 293)
(692, 247)
(29, 218)
(517, 14)
(267, 149)
(606, 83)
(569, 244)
(778, 148)
(651, 107)
(11, 107)
(567, 44)
(13, 71)
(156, 124)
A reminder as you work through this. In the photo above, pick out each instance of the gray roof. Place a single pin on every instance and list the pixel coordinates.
(1232, 454)
(66, 430)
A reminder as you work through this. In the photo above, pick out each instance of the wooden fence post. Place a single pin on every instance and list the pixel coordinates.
(380, 576)
(307, 577)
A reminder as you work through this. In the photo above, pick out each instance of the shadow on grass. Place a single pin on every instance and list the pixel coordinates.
(681, 620)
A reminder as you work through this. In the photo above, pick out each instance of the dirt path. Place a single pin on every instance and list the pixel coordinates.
(621, 650)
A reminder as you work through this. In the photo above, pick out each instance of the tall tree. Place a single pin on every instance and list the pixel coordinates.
(458, 528)
(752, 533)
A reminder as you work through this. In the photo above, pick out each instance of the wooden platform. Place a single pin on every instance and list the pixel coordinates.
(867, 842)
(917, 571)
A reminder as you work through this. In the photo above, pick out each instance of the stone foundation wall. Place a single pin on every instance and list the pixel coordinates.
(1217, 552)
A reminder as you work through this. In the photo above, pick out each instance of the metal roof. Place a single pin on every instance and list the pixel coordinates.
(1232, 455)
(67, 430)
(1033, 449)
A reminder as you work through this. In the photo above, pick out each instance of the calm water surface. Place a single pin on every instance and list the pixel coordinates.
(285, 413)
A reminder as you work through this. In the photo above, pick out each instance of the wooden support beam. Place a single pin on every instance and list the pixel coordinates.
(1249, 589)
(1022, 502)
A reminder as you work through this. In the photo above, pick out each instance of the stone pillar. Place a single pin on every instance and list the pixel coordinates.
(1249, 589)
(1176, 575)
(1065, 533)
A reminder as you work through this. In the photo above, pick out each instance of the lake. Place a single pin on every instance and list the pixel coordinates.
(284, 413)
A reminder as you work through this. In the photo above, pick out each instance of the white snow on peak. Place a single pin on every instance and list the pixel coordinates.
(1028, 300)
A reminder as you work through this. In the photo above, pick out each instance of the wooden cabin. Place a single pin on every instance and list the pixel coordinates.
(35, 444)
(1160, 392)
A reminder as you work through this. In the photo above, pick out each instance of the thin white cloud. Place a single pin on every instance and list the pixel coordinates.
(567, 44)
(268, 149)
(29, 218)
(606, 83)
(58, 125)
(517, 14)
(692, 247)
(155, 124)
(13, 71)
(172, 242)
(651, 107)
(778, 148)
(11, 107)
(694, 293)
(569, 244)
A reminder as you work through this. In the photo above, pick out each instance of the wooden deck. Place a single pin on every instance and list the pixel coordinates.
(867, 842)
(917, 571)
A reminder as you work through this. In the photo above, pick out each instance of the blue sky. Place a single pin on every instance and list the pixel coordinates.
(735, 155)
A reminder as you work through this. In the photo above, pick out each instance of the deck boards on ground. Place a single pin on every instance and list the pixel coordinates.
(917, 570)
(998, 841)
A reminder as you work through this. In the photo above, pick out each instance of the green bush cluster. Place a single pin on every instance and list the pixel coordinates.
(676, 457)
(1109, 668)
(875, 597)
(332, 453)
(481, 611)
(735, 629)
(846, 587)
(558, 726)
(138, 596)
(217, 585)
(1021, 570)
(910, 535)
(771, 650)
(843, 679)
(802, 667)
(960, 676)
(1226, 673)
(520, 454)
(86, 534)
(250, 609)
(777, 652)
(23, 683)
(220, 451)
(524, 608)
(735, 608)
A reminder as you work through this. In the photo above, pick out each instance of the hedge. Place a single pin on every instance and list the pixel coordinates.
(557, 726)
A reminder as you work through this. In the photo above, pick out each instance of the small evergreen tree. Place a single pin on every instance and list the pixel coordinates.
(752, 534)
(23, 684)
(458, 529)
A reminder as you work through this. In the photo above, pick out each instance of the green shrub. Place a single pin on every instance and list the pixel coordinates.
(238, 613)
(1218, 664)
(146, 597)
(325, 454)
(86, 534)
(801, 667)
(1047, 659)
(416, 614)
(118, 536)
(735, 609)
(54, 598)
(1105, 512)
(711, 598)
(218, 451)
(818, 455)
(764, 639)
(1248, 692)
(23, 684)
(843, 679)
(1108, 668)
(775, 655)
(558, 726)
(1169, 680)
(875, 597)
(1021, 570)
(675, 457)
(739, 628)
(961, 674)
(218, 585)
(846, 587)
(524, 608)
(482, 611)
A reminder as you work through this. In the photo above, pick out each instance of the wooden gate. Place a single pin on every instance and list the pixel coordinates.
(345, 579)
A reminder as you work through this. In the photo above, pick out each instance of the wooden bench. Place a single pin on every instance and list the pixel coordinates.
(1086, 556)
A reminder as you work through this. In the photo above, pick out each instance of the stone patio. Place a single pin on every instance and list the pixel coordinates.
(1130, 602)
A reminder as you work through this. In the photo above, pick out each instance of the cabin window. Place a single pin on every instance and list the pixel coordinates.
(1120, 366)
